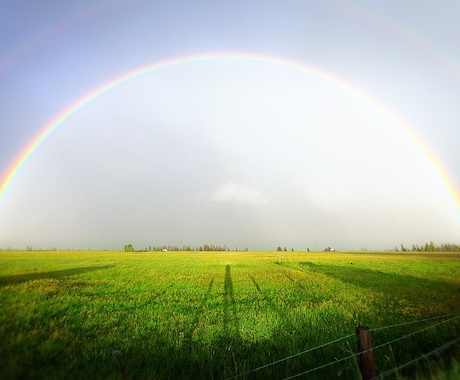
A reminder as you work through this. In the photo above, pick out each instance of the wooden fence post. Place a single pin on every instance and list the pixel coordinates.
(366, 357)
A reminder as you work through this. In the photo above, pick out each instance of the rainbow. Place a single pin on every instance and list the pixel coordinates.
(52, 31)
(431, 51)
(26, 154)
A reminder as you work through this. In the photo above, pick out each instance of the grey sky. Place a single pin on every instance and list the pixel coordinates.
(242, 152)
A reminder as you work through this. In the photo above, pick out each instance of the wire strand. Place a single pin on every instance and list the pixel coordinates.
(450, 316)
(424, 356)
(290, 357)
(412, 334)
(322, 366)
(379, 346)
(413, 322)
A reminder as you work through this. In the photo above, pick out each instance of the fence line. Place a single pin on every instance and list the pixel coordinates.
(290, 357)
(437, 350)
(424, 356)
(323, 366)
(434, 352)
(415, 333)
(413, 322)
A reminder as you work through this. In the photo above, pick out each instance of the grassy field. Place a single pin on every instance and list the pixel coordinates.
(215, 315)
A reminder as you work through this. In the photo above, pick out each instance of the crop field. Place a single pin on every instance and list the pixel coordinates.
(219, 315)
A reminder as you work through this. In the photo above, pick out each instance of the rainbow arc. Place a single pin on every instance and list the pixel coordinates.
(21, 160)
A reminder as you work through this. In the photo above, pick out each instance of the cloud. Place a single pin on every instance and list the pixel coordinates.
(231, 192)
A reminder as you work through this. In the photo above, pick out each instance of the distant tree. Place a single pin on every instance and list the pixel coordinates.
(279, 249)
(431, 247)
(129, 248)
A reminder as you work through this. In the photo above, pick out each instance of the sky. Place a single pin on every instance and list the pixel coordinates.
(247, 124)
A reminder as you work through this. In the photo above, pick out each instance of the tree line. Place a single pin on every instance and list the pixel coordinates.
(430, 247)
(160, 248)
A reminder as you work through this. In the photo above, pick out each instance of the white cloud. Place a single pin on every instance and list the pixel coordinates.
(231, 192)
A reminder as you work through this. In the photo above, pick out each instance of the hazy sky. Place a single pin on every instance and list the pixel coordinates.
(238, 150)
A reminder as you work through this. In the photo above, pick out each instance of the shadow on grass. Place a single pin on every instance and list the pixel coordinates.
(56, 275)
(199, 311)
(154, 354)
(389, 283)
(231, 325)
(156, 357)
(227, 356)
(289, 323)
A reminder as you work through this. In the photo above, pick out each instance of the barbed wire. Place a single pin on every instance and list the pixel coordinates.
(414, 333)
(374, 348)
(290, 357)
(436, 351)
(413, 322)
(323, 366)
(451, 317)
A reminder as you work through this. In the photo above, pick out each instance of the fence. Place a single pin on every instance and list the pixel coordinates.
(365, 353)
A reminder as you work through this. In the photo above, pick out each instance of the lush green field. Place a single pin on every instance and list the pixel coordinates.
(216, 315)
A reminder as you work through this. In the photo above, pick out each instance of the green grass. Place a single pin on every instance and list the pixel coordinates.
(215, 315)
